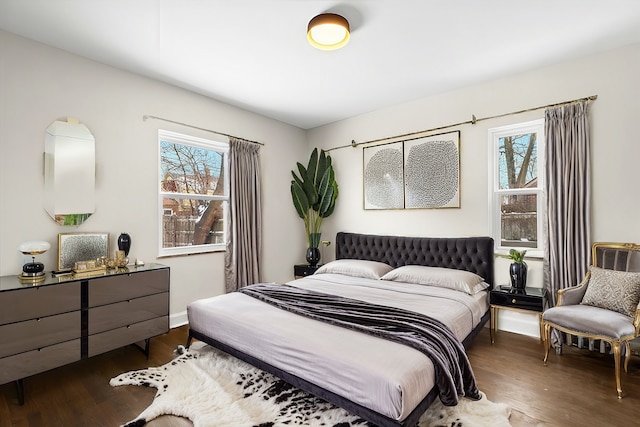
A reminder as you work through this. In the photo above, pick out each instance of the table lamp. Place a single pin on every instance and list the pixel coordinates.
(33, 270)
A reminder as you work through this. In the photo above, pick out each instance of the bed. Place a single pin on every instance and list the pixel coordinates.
(384, 382)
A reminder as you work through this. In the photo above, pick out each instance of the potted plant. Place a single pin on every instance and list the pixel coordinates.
(314, 191)
(518, 269)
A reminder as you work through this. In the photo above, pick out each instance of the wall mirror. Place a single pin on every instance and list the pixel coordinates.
(69, 172)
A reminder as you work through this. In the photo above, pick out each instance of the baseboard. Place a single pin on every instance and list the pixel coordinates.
(178, 319)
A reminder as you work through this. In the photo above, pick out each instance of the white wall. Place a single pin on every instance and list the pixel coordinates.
(39, 84)
(612, 76)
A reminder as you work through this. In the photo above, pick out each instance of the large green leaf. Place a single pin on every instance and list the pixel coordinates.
(308, 186)
(326, 203)
(312, 168)
(299, 199)
(331, 207)
(325, 192)
(322, 167)
(296, 178)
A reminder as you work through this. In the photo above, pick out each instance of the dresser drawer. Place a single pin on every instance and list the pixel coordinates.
(38, 301)
(107, 290)
(37, 333)
(106, 341)
(522, 301)
(125, 313)
(33, 362)
(303, 270)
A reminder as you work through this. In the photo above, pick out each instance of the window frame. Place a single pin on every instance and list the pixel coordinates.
(495, 214)
(220, 146)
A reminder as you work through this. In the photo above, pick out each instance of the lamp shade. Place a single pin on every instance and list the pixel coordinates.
(34, 247)
(328, 31)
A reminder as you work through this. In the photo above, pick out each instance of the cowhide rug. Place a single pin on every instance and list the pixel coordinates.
(214, 389)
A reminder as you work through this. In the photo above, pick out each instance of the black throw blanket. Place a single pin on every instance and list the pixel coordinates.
(453, 373)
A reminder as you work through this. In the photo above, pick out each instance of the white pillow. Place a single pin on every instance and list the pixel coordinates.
(459, 280)
(356, 268)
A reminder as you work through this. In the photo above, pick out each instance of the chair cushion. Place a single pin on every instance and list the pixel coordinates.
(588, 320)
(613, 290)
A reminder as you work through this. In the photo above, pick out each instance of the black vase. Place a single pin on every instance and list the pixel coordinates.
(313, 256)
(124, 243)
(518, 275)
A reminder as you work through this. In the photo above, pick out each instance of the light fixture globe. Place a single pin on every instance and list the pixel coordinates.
(328, 31)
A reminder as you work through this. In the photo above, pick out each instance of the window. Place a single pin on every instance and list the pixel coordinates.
(517, 180)
(193, 194)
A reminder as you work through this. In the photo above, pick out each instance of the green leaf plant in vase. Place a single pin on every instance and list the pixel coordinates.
(314, 191)
(518, 270)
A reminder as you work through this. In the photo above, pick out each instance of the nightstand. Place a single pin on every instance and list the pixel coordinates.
(532, 299)
(303, 270)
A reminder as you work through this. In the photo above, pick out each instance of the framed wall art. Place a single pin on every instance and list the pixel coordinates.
(420, 173)
(383, 176)
(73, 247)
(432, 171)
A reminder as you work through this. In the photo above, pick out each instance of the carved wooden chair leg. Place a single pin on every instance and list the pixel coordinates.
(616, 358)
(547, 342)
(627, 355)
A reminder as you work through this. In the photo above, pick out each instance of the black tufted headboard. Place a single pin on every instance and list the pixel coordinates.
(473, 254)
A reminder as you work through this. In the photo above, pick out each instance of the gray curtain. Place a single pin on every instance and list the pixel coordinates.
(244, 221)
(568, 191)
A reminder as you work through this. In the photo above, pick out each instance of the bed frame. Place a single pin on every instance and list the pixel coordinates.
(473, 254)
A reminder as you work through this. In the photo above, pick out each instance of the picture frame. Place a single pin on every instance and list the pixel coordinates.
(432, 171)
(74, 247)
(383, 176)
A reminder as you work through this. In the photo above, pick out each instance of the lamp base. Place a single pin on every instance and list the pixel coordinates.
(32, 274)
(32, 277)
(33, 269)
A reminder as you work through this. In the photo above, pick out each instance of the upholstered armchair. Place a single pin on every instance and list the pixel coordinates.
(604, 306)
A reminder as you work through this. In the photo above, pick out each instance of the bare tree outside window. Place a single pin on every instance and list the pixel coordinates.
(193, 193)
(518, 160)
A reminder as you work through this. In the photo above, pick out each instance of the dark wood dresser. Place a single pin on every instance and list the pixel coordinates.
(63, 319)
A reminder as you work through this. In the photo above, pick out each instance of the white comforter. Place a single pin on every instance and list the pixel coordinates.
(384, 376)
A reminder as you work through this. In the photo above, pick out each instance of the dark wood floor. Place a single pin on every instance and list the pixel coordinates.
(576, 389)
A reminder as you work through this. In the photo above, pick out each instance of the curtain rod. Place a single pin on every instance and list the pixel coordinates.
(146, 117)
(473, 121)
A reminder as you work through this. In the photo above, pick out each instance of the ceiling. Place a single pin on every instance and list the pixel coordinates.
(254, 54)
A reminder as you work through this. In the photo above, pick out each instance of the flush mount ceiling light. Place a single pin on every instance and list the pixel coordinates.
(328, 31)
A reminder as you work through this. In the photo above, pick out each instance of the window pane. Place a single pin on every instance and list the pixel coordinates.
(188, 169)
(518, 163)
(189, 222)
(519, 220)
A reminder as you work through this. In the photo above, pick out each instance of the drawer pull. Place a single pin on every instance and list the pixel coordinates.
(513, 301)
